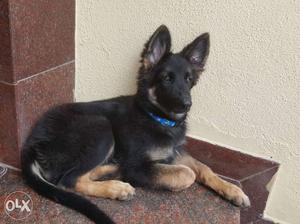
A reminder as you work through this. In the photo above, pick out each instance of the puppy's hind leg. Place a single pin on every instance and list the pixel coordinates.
(113, 189)
(173, 177)
(101, 171)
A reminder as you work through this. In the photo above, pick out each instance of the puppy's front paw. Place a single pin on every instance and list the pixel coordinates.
(236, 196)
(120, 190)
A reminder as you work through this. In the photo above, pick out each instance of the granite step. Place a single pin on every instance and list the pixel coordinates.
(194, 205)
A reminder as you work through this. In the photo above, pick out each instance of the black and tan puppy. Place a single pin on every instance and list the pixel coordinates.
(140, 138)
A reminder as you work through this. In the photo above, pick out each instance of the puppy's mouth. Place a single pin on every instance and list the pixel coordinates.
(176, 113)
(181, 111)
(177, 116)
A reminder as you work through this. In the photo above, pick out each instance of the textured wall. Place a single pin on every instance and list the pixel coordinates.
(248, 97)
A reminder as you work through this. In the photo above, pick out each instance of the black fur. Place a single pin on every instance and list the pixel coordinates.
(74, 138)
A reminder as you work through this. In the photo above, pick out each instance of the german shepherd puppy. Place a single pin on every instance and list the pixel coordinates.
(137, 139)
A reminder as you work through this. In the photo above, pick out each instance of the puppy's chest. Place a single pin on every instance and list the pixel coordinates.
(161, 153)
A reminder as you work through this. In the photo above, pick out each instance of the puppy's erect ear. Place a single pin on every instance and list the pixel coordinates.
(197, 51)
(157, 46)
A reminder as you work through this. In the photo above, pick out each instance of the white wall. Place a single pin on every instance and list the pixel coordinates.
(248, 98)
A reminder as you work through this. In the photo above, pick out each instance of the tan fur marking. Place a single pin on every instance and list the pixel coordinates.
(113, 189)
(160, 153)
(174, 177)
(146, 63)
(206, 176)
(101, 171)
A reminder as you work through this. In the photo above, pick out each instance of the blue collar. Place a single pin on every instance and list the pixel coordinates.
(162, 121)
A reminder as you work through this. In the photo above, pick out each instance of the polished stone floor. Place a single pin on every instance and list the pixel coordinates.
(194, 205)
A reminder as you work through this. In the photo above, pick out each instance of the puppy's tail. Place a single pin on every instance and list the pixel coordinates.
(32, 175)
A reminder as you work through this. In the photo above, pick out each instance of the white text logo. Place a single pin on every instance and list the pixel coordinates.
(18, 205)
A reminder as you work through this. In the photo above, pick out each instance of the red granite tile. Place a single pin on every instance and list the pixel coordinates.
(42, 35)
(36, 95)
(25, 102)
(226, 162)
(5, 48)
(256, 189)
(194, 205)
(8, 123)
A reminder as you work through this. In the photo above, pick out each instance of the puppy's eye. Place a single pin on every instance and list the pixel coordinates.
(188, 77)
(168, 77)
